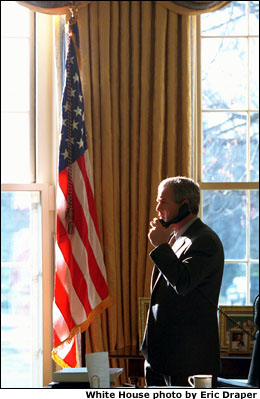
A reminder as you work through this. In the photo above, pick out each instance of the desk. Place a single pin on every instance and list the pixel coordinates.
(235, 366)
(68, 385)
(232, 366)
(134, 361)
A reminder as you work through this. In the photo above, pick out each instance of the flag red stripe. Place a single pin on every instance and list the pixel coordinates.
(63, 182)
(71, 357)
(62, 302)
(91, 200)
(63, 176)
(82, 227)
(56, 340)
(78, 280)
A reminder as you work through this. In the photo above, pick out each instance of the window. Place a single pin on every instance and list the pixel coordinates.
(21, 275)
(228, 141)
(26, 198)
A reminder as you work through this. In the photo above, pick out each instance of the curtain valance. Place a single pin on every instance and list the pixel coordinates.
(193, 7)
(179, 7)
(53, 7)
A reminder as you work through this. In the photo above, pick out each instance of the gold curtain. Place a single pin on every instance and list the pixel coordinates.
(136, 84)
(136, 78)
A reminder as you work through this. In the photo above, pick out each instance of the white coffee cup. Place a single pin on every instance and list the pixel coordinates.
(98, 369)
(200, 381)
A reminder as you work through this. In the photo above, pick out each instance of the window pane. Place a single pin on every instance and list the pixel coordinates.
(21, 346)
(15, 77)
(254, 73)
(17, 93)
(230, 140)
(254, 281)
(254, 18)
(223, 86)
(227, 209)
(15, 19)
(233, 288)
(224, 152)
(228, 21)
(16, 163)
(254, 224)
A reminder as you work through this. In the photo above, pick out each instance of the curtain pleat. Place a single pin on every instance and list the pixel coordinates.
(117, 313)
(171, 94)
(124, 163)
(146, 82)
(184, 144)
(157, 131)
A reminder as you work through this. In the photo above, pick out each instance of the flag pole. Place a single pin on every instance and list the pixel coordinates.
(78, 349)
(69, 211)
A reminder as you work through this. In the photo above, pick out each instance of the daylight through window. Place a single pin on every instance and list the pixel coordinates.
(228, 165)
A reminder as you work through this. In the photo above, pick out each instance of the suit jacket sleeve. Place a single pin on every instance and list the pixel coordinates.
(200, 260)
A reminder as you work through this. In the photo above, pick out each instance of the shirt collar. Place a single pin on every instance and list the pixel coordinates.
(185, 227)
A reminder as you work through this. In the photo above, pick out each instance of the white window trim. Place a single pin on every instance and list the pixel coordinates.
(47, 137)
(197, 124)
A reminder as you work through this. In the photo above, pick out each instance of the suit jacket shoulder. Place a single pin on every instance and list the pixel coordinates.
(195, 256)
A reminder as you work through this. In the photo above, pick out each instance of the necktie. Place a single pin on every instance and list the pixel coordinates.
(172, 239)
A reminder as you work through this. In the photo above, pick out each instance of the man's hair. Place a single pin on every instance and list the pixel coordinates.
(184, 188)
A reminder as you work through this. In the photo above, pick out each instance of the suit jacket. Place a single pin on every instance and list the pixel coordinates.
(181, 336)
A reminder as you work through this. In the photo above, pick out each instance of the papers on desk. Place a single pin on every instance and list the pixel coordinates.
(80, 374)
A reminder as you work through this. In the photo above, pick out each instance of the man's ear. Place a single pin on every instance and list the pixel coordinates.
(186, 201)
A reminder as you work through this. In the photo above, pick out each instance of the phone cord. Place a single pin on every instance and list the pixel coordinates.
(229, 318)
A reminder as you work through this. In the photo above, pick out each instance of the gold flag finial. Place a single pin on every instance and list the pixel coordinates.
(73, 11)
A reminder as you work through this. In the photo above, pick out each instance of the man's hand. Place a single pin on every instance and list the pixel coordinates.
(158, 234)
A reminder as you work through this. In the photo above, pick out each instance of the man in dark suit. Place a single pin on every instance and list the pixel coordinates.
(181, 336)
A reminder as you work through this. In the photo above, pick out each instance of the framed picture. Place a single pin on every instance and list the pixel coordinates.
(143, 306)
(238, 342)
(243, 316)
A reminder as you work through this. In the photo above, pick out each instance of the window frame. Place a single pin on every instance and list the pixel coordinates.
(44, 146)
(197, 147)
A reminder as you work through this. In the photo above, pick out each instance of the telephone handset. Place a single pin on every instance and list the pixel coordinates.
(183, 212)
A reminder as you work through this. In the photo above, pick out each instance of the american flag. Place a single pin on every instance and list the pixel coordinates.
(80, 291)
